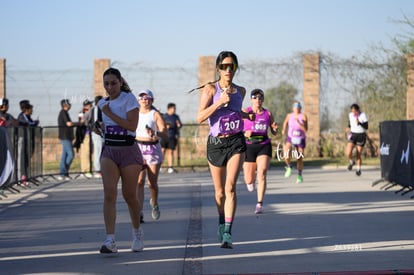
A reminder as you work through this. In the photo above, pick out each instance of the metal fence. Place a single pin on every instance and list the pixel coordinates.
(36, 152)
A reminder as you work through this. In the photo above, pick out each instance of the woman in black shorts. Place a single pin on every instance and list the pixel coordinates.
(259, 147)
(358, 125)
(221, 104)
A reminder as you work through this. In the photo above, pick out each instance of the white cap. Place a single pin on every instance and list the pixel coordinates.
(146, 92)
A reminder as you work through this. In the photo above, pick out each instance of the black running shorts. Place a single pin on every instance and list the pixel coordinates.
(220, 150)
(358, 139)
(255, 150)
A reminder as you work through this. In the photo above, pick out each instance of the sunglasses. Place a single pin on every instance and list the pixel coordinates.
(228, 67)
(145, 98)
(259, 97)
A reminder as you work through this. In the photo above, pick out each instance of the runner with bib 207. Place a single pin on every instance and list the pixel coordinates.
(221, 104)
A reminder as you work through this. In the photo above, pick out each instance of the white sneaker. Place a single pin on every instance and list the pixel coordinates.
(250, 187)
(259, 209)
(170, 170)
(108, 246)
(137, 241)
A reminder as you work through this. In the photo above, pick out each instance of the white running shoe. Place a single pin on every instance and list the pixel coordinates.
(138, 241)
(259, 209)
(108, 246)
(250, 187)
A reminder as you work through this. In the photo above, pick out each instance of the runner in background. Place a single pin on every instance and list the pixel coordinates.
(168, 144)
(357, 127)
(151, 127)
(93, 118)
(297, 124)
(221, 104)
(259, 147)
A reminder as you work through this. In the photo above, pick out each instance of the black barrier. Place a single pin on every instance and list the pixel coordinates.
(6, 158)
(396, 152)
(25, 146)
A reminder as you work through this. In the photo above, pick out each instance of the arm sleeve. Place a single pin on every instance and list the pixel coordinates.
(364, 125)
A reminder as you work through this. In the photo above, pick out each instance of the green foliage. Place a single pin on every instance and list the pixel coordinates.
(278, 100)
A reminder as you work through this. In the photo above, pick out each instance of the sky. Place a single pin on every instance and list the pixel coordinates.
(66, 34)
(50, 45)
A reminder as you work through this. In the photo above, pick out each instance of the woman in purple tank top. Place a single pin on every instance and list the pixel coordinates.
(221, 104)
(259, 147)
(297, 124)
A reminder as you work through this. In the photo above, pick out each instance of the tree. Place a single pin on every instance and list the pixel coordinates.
(384, 96)
(278, 100)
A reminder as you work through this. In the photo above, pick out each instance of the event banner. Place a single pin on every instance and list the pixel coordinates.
(396, 151)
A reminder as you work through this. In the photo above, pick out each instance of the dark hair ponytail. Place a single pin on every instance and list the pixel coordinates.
(113, 71)
(222, 55)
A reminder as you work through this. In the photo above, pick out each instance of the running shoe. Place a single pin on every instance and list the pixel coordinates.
(299, 179)
(170, 170)
(351, 165)
(259, 209)
(358, 172)
(137, 241)
(288, 171)
(226, 242)
(250, 187)
(220, 232)
(108, 246)
(155, 212)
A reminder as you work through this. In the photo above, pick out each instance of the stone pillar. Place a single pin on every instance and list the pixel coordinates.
(206, 73)
(311, 88)
(207, 69)
(410, 86)
(2, 77)
(100, 66)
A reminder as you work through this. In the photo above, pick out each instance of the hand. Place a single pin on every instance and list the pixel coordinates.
(224, 97)
(150, 132)
(248, 133)
(274, 126)
(105, 109)
(252, 116)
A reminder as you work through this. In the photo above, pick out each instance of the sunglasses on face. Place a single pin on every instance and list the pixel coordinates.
(259, 97)
(145, 98)
(227, 67)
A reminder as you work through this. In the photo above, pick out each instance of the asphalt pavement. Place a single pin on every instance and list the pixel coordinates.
(332, 223)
